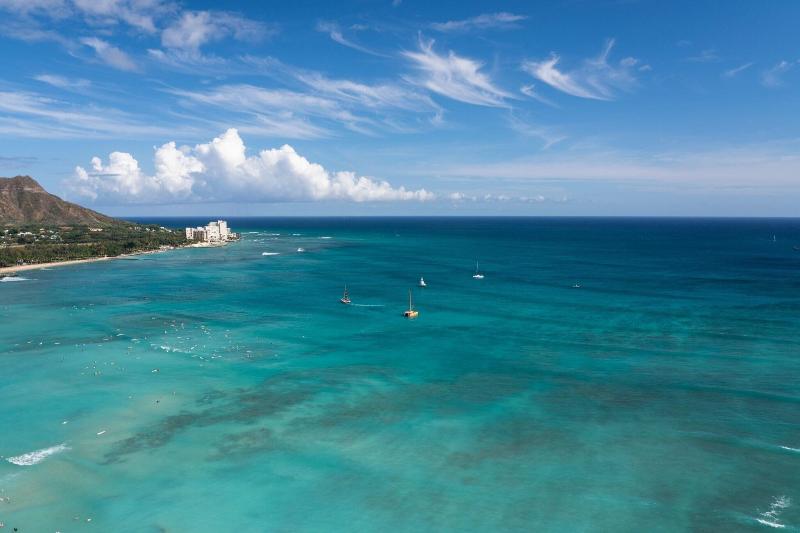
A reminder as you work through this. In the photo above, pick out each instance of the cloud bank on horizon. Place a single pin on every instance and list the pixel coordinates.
(578, 100)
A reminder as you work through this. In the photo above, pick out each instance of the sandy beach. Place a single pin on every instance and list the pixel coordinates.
(21, 268)
(37, 266)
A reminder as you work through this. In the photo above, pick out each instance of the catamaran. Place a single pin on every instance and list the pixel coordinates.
(411, 312)
(345, 299)
(478, 274)
(422, 282)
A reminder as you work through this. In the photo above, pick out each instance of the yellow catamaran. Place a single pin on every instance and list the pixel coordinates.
(411, 312)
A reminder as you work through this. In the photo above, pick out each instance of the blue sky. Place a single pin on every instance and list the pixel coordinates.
(405, 107)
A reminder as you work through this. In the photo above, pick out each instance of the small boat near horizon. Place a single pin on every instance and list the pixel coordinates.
(345, 299)
(477, 274)
(411, 312)
(422, 282)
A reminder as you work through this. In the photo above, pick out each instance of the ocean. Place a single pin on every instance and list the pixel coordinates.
(605, 375)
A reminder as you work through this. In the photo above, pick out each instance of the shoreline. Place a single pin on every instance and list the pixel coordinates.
(36, 266)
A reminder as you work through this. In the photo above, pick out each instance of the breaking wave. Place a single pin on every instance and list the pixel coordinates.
(32, 458)
(13, 278)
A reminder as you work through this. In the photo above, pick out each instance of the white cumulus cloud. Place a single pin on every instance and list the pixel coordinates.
(221, 170)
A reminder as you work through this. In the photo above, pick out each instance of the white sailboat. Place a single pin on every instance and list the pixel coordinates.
(345, 299)
(422, 282)
(478, 274)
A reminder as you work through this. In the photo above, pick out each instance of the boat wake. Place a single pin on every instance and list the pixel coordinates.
(32, 458)
(270, 253)
(368, 305)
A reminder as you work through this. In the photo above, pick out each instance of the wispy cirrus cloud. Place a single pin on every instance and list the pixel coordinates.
(182, 32)
(733, 72)
(596, 78)
(18, 161)
(141, 15)
(110, 54)
(325, 105)
(276, 112)
(335, 32)
(63, 82)
(193, 29)
(28, 114)
(184, 38)
(486, 21)
(773, 76)
(375, 96)
(531, 92)
(547, 135)
(709, 55)
(768, 166)
(456, 77)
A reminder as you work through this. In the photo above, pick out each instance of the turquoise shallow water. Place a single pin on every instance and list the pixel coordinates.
(225, 390)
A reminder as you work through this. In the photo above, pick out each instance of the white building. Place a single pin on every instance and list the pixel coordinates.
(215, 232)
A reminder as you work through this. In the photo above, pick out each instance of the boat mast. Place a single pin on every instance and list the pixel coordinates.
(410, 305)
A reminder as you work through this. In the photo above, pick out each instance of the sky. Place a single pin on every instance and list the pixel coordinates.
(405, 107)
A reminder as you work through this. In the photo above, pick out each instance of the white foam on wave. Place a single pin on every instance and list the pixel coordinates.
(771, 517)
(13, 278)
(326, 237)
(32, 458)
(169, 349)
(770, 524)
(789, 448)
(270, 253)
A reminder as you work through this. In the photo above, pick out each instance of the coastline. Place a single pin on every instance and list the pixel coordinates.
(36, 266)
(21, 268)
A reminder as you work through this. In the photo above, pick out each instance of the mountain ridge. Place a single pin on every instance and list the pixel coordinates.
(24, 201)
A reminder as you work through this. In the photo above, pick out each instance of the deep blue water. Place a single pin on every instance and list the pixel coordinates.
(225, 390)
